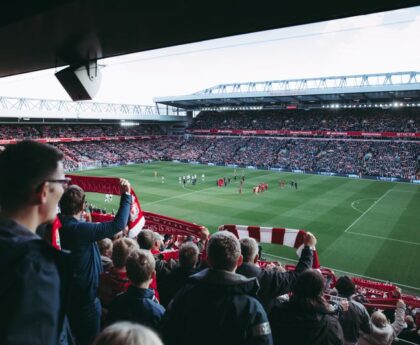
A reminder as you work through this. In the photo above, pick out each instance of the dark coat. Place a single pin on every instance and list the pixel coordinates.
(293, 326)
(80, 238)
(274, 283)
(137, 305)
(216, 307)
(356, 318)
(172, 283)
(32, 289)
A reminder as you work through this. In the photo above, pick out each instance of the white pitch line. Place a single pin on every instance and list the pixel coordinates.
(373, 205)
(385, 238)
(349, 273)
(355, 201)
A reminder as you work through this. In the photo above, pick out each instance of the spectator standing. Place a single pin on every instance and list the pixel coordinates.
(178, 277)
(307, 318)
(33, 288)
(138, 304)
(382, 332)
(218, 306)
(272, 282)
(356, 318)
(80, 238)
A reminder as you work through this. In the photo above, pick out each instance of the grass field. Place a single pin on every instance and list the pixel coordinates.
(363, 227)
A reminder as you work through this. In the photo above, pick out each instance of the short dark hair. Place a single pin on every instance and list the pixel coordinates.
(23, 168)
(72, 200)
(188, 255)
(345, 286)
(146, 239)
(140, 266)
(223, 251)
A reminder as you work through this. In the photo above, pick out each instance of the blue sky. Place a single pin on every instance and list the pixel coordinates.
(377, 43)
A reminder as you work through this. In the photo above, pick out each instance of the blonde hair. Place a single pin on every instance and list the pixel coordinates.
(379, 319)
(127, 333)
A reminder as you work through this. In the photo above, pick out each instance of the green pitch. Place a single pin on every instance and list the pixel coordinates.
(363, 227)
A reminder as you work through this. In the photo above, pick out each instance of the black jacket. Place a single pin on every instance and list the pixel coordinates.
(32, 288)
(137, 305)
(172, 283)
(274, 283)
(80, 238)
(216, 308)
(294, 326)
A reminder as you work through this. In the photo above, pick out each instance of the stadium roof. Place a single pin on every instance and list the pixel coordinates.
(367, 89)
(43, 34)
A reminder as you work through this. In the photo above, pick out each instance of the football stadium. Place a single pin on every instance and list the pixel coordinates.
(280, 211)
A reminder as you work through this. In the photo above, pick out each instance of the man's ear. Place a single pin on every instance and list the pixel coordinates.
(256, 258)
(41, 193)
(239, 261)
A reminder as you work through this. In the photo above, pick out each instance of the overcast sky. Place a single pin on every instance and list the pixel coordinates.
(377, 43)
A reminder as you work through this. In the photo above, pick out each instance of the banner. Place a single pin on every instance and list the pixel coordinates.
(159, 223)
(283, 236)
(307, 133)
(80, 139)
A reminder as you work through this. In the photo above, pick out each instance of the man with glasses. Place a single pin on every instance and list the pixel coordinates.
(32, 182)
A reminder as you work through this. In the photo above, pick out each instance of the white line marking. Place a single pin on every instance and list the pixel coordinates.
(349, 273)
(364, 213)
(356, 201)
(384, 238)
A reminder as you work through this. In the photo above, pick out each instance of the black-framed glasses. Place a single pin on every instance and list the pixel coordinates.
(64, 182)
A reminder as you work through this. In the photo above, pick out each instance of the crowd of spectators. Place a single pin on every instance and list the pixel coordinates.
(370, 158)
(75, 131)
(366, 120)
(215, 293)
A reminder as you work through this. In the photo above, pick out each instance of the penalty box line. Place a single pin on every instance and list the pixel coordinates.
(364, 213)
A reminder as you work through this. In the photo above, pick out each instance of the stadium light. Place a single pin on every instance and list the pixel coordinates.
(128, 124)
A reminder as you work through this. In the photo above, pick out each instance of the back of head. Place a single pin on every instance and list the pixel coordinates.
(121, 250)
(188, 255)
(223, 251)
(308, 290)
(127, 333)
(345, 286)
(105, 246)
(379, 319)
(140, 266)
(145, 239)
(72, 201)
(249, 249)
(23, 167)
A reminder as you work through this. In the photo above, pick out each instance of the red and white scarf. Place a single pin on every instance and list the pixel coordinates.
(111, 185)
(283, 236)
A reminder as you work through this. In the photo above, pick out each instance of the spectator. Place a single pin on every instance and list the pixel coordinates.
(272, 282)
(138, 304)
(218, 306)
(410, 333)
(356, 318)
(105, 249)
(80, 238)
(177, 278)
(307, 318)
(127, 333)
(31, 184)
(382, 332)
(114, 281)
